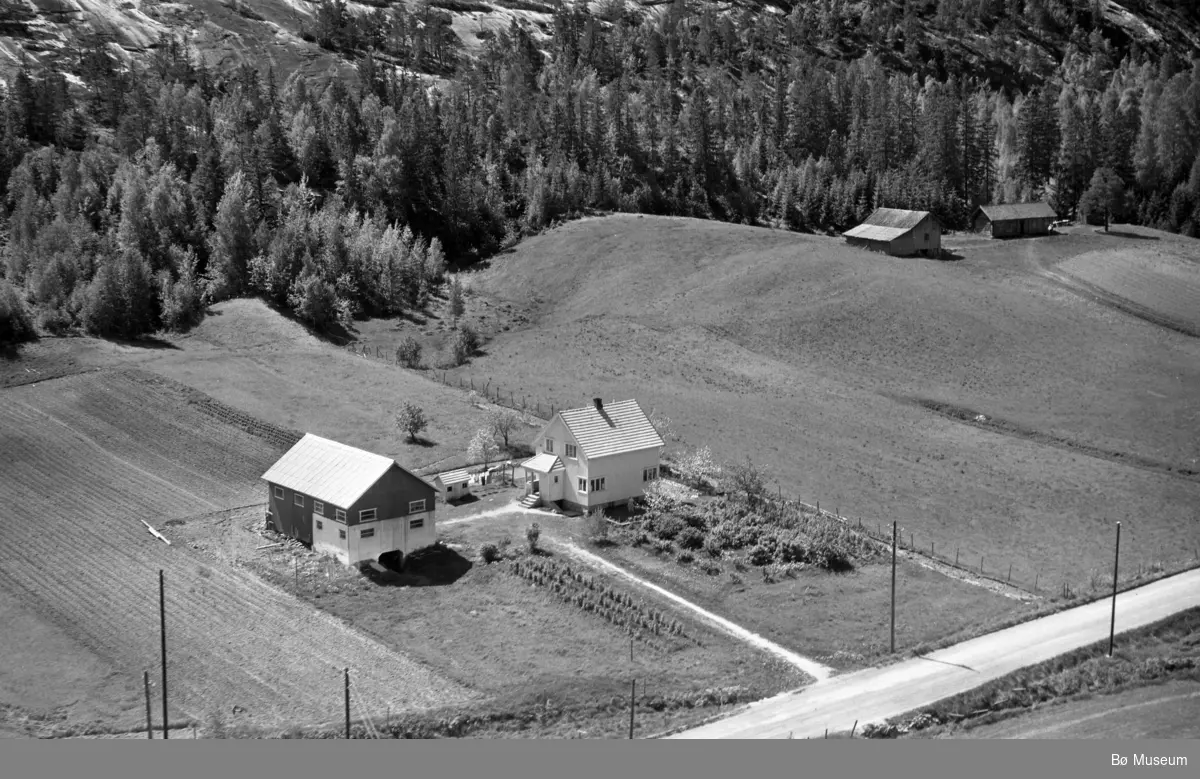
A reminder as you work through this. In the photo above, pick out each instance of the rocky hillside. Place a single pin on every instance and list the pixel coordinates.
(935, 36)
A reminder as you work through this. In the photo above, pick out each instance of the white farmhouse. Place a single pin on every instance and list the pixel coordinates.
(593, 457)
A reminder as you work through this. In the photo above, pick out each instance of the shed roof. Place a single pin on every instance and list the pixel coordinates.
(1010, 211)
(895, 217)
(457, 476)
(328, 471)
(616, 428)
(868, 232)
(544, 463)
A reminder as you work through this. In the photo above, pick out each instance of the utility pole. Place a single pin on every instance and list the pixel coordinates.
(347, 686)
(1112, 625)
(162, 620)
(149, 726)
(632, 703)
(893, 586)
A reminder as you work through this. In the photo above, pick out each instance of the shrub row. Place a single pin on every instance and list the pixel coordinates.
(584, 592)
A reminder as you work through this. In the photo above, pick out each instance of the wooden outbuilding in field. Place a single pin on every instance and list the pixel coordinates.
(350, 503)
(453, 485)
(1014, 219)
(592, 457)
(898, 232)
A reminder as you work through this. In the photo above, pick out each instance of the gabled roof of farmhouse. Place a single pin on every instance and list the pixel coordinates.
(886, 224)
(328, 471)
(544, 463)
(1001, 213)
(604, 429)
(458, 476)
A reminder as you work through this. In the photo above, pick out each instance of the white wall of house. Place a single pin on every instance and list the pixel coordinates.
(396, 533)
(556, 430)
(622, 474)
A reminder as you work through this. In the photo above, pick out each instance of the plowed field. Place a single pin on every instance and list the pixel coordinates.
(82, 460)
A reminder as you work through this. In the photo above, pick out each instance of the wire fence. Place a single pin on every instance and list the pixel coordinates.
(1136, 564)
(538, 407)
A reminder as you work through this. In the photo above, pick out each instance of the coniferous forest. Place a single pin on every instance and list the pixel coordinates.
(132, 203)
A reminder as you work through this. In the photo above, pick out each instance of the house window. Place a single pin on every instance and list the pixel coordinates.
(299, 499)
(416, 506)
(341, 534)
(550, 445)
(583, 485)
(413, 524)
(556, 480)
(926, 237)
(598, 484)
(318, 507)
(571, 451)
(339, 515)
(279, 492)
(366, 515)
(366, 532)
(649, 474)
(320, 525)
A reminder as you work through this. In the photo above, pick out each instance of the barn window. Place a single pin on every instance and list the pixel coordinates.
(279, 492)
(320, 525)
(416, 506)
(366, 515)
(298, 499)
(318, 507)
(339, 515)
(341, 534)
(366, 532)
(582, 485)
(550, 445)
(571, 451)
(413, 524)
(926, 237)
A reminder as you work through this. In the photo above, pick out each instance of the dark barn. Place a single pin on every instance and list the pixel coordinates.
(1014, 220)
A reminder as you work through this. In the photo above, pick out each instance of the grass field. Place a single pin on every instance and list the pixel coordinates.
(249, 357)
(814, 359)
(1155, 279)
(100, 452)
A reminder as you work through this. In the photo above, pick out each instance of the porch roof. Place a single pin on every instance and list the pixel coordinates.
(544, 463)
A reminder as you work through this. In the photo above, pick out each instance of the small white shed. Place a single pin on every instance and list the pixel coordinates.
(453, 485)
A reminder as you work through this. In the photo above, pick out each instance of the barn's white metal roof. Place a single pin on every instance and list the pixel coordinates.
(868, 232)
(328, 471)
(458, 476)
(616, 428)
(544, 463)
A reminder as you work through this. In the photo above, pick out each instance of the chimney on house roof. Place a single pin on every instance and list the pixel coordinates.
(599, 404)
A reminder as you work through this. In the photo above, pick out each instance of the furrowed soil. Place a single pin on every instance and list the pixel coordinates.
(821, 363)
(86, 458)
